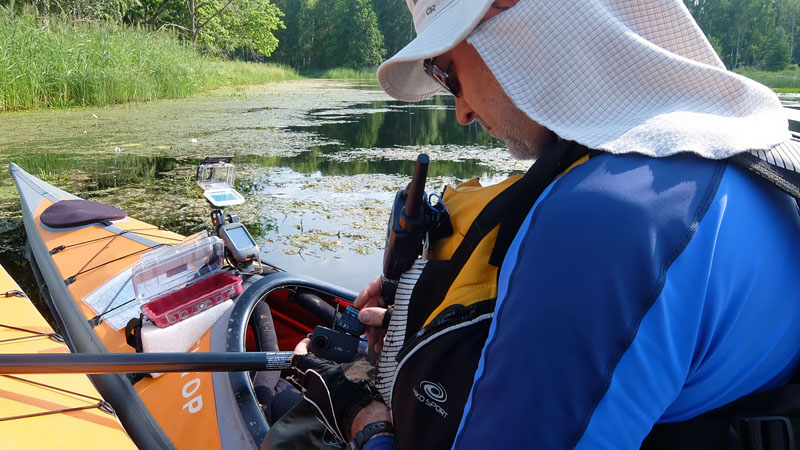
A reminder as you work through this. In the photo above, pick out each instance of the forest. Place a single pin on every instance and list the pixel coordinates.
(60, 53)
(754, 33)
(305, 34)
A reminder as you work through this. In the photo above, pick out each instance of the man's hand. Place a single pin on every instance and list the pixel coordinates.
(373, 310)
(342, 394)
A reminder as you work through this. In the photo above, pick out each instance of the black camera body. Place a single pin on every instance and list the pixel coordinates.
(339, 344)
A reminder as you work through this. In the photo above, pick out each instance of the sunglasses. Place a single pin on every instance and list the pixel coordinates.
(446, 80)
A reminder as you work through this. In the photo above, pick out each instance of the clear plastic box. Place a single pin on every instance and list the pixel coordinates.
(180, 281)
(170, 268)
(216, 176)
(216, 179)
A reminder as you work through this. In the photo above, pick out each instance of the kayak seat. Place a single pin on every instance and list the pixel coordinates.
(74, 213)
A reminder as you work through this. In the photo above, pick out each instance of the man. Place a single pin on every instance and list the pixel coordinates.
(650, 283)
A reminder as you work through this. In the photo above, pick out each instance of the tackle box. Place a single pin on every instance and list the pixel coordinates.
(180, 281)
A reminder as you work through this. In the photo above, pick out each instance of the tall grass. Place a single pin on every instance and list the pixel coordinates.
(783, 81)
(345, 74)
(63, 64)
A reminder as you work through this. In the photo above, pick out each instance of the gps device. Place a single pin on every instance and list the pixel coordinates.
(238, 241)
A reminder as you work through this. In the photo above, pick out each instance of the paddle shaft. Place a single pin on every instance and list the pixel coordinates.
(93, 363)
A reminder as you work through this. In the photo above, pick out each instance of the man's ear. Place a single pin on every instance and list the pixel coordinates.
(497, 7)
(504, 4)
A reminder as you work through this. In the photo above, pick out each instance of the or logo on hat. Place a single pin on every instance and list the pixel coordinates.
(431, 9)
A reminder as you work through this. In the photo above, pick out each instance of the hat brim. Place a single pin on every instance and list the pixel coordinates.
(402, 75)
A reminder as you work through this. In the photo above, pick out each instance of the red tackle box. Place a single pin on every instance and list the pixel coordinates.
(192, 299)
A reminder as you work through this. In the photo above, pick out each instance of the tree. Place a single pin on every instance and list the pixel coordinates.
(228, 25)
(220, 25)
(776, 51)
(788, 18)
(329, 33)
(355, 40)
(395, 24)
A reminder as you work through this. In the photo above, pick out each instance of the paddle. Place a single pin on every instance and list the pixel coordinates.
(93, 363)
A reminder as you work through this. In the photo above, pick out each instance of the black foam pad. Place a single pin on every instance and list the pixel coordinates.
(74, 213)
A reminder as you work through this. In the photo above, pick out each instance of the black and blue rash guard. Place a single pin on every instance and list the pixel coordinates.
(638, 291)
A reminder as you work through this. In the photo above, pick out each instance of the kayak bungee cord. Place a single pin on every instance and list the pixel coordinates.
(98, 319)
(34, 334)
(61, 248)
(72, 279)
(101, 404)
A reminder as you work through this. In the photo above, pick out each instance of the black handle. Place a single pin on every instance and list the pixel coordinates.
(415, 192)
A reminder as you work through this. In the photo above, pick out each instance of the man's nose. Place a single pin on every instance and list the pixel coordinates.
(464, 113)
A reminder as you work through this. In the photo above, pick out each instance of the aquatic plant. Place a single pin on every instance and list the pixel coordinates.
(61, 63)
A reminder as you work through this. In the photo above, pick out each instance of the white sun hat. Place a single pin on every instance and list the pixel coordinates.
(440, 26)
(623, 76)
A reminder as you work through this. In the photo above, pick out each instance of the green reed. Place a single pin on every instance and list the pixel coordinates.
(367, 74)
(782, 81)
(58, 63)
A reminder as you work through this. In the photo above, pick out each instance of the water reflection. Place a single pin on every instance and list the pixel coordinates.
(387, 124)
(315, 160)
(99, 172)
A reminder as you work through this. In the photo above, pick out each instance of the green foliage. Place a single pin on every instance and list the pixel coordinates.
(394, 21)
(249, 24)
(329, 33)
(776, 51)
(354, 39)
(716, 44)
(107, 10)
(345, 74)
(64, 64)
(742, 31)
(784, 81)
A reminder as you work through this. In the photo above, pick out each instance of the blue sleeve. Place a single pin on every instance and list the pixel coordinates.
(626, 297)
(384, 442)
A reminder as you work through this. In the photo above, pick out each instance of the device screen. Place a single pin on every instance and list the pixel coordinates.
(240, 238)
(223, 196)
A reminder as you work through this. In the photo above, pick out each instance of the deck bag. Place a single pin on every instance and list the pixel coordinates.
(75, 213)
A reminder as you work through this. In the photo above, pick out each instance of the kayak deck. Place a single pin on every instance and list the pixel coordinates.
(51, 410)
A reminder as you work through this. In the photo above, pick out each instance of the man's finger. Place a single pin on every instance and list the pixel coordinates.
(372, 316)
(375, 338)
(370, 291)
(302, 347)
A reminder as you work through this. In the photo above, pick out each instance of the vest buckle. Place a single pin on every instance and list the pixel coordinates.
(765, 433)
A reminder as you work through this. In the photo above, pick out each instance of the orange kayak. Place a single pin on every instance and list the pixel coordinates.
(50, 410)
(85, 272)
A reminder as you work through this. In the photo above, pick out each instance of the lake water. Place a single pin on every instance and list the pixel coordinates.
(318, 161)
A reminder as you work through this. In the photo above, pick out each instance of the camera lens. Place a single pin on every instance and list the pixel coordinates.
(320, 343)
